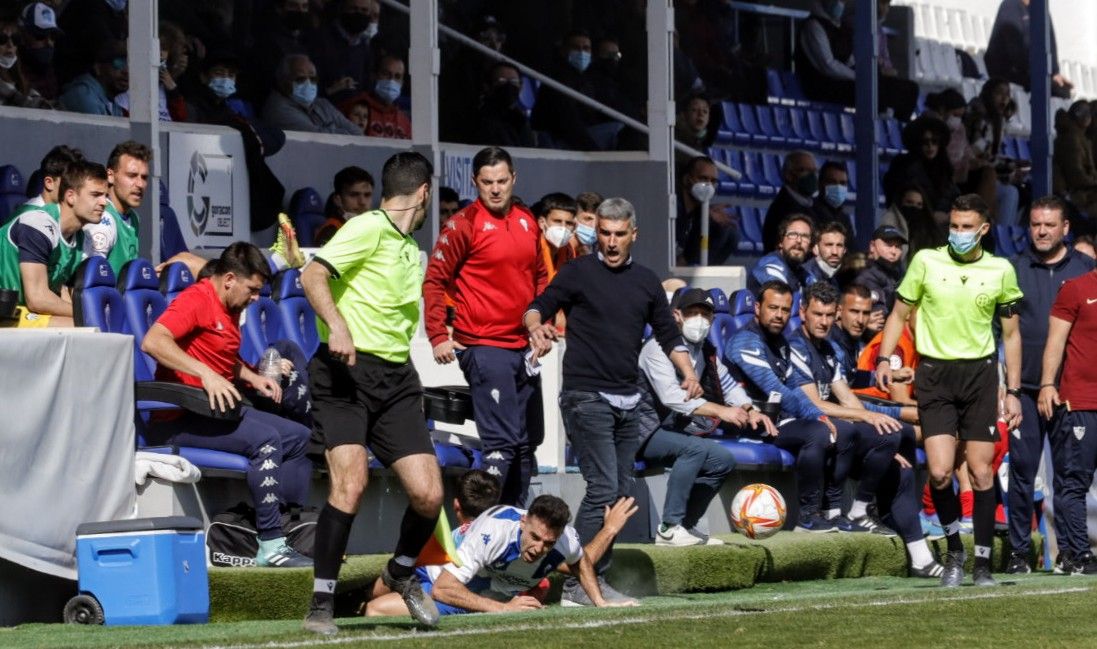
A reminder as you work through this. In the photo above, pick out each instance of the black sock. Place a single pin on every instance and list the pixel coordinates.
(948, 512)
(982, 519)
(332, 531)
(415, 531)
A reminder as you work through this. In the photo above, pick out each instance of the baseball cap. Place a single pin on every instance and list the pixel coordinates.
(40, 20)
(888, 232)
(693, 297)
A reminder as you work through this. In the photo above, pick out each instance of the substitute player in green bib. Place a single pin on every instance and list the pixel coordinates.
(116, 236)
(959, 289)
(40, 250)
(365, 285)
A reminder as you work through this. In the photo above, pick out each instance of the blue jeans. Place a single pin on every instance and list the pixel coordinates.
(605, 440)
(698, 468)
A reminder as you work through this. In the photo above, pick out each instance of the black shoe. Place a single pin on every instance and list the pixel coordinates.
(815, 523)
(1085, 564)
(932, 571)
(1018, 564)
(953, 575)
(321, 617)
(420, 605)
(873, 525)
(982, 577)
(1064, 565)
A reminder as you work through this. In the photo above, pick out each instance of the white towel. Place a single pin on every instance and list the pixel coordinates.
(173, 468)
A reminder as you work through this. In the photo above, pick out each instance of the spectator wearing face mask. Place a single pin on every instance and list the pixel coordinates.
(38, 22)
(386, 119)
(295, 106)
(215, 100)
(833, 192)
(341, 48)
(501, 120)
(800, 182)
(925, 164)
(694, 125)
(171, 104)
(563, 118)
(911, 217)
(92, 93)
(14, 89)
(556, 216)
(699, 185)
(885, 269)
(586, 221)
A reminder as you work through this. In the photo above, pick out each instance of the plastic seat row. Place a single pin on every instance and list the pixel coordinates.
(793, 127)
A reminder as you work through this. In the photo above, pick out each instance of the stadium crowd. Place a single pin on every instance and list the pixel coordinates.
(837, 360)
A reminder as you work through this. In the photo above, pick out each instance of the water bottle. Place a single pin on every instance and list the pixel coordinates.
(270, 365)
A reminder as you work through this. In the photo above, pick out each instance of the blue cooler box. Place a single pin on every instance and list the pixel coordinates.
(146, 570)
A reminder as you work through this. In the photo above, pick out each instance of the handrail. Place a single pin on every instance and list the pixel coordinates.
(561, 88)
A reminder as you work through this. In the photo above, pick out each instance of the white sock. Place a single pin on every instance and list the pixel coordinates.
(833, 513)
(858, 509)
(920, 556)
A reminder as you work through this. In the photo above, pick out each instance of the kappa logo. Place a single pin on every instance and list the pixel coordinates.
(494, 455)
(267, 449)
(268, 465)
(1079, 432)
(270, 499)
(223, 559)
(444, 239)
(451, 225)
(439, 256)
(494, 470)
(269, 481)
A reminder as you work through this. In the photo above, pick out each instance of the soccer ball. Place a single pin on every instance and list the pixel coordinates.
(758, 511)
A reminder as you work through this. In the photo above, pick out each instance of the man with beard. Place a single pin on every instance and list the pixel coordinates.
(785, 264)
(197, 342)
(1041, 270)
(830, 250)
(365, 285)
(882, 275)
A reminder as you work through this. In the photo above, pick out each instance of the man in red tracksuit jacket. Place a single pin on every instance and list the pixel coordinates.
(487, 259)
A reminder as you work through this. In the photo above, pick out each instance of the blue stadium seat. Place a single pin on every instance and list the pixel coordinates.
(791, 85)
(750, 229)
(723, 328)
(12, 191)
(764, 119)
(819, 132)
(752, 166)
(775, 89)
(732, 130)
(262, 325)
(771, 164)
(895, 134)
(794, 318)
(175, 279)
(1024, 149)
(782, 121)
(306, 209)
(757, 455)
(719, 300)
(95, 300)
(35, 184)
(849, 130)
(744, 186)
(527, 94)
(833, 127)
(799, 122)
(142, 304)
(298, 318)
(1009, 147)
(741, 307)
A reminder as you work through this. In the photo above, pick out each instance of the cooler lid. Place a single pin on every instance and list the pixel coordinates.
(140, 525)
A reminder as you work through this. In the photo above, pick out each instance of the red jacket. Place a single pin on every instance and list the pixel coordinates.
(493, 268)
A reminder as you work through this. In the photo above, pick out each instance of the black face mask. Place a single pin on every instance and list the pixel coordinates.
(504, 95)
(295, 20)
(38, 58)
(911, 213)
(354, 23)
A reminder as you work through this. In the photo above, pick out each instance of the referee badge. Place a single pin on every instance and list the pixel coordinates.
(1079, 432)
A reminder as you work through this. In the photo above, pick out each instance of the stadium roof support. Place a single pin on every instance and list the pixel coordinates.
(865, 49)
(1040, 85)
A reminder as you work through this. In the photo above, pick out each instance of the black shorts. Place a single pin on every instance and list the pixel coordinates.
(958, 397)
(377, 404)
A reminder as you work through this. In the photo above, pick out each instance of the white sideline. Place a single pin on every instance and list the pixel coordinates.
(349, 637)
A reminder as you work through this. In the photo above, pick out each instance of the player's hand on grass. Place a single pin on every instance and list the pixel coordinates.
(341, 346)
(222, 394)
(522, 603)
(618, 514)
(1048, 401)
(624, 603)
(883, 424)
(446, 351)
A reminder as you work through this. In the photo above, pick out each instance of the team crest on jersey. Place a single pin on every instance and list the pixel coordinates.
(439, 256)
(486, 538)
(488, 226)
(1079, 432)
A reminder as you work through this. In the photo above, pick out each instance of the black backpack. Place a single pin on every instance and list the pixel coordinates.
(233, 541)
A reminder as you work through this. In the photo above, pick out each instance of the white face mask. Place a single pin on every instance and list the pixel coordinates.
(695, 329)
(702, 191)
(7, 62)
(558, 235)
(953, 122)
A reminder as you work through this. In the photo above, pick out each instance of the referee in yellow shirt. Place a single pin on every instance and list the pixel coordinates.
(959, 289)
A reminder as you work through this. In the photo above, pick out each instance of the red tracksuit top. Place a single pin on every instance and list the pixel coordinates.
(492, 267)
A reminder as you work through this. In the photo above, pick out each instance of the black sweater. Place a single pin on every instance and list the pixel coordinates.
(607, 310)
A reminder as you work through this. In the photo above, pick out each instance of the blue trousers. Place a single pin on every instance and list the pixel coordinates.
(502, 396)
(860, 452)
(1074, 453)
(296, 401)
(605, 440)
(698, 467)
(809, 441)
(1025, 452)
(278, 473)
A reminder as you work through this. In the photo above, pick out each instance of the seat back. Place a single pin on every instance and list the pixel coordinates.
(741, 308)
(142, 304)
(306, 209)
(12, 191)
(794, 319)
(175, 279)
(719, 300)
(751, 223)
(262, 326)
(95, 300)
(298, 318)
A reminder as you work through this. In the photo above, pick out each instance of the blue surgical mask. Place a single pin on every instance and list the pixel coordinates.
(387, 89)
(835, 195)
(963, 242)
(223, 87)
(116, 5)
(837, 10)
(304, 92)
(579, 60)
(585, 234)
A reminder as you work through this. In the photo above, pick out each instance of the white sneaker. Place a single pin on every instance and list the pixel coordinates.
(676, 536)
(708, 540)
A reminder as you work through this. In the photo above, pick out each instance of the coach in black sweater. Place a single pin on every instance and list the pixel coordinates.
(608, 300)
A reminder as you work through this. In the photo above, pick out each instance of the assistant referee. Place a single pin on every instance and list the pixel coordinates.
(958, 290)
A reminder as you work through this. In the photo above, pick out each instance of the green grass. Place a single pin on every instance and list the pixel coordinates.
(1029, 611)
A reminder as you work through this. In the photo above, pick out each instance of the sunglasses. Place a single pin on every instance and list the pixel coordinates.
(7, 39)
